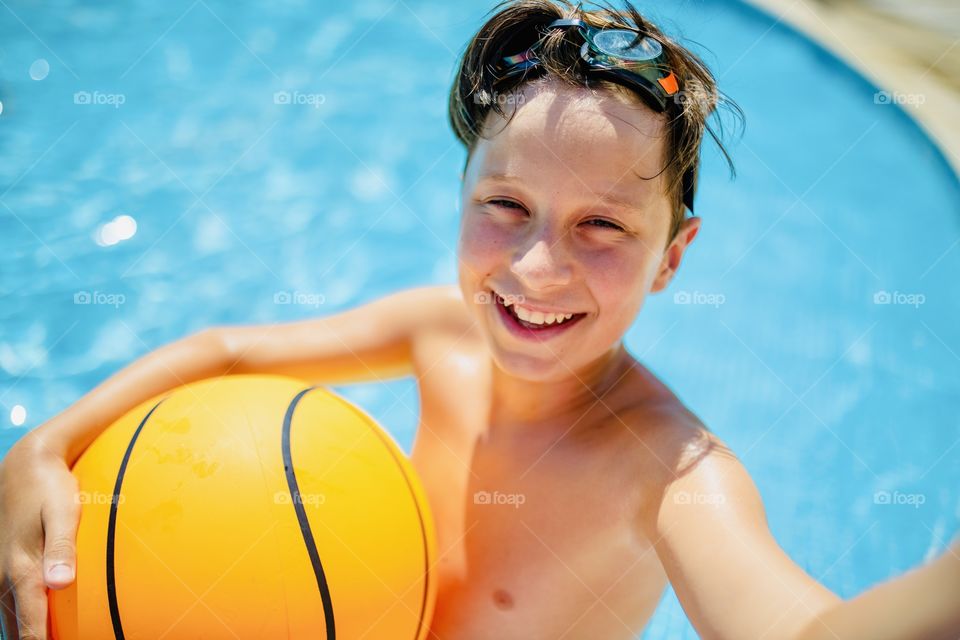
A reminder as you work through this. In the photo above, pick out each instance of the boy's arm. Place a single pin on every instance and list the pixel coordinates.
(709, 529)
(69, 433)
(38, 507)
(373, 341)
(922, 603)
(370, 341)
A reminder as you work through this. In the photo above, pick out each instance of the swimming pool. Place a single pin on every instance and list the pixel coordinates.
(278, 167)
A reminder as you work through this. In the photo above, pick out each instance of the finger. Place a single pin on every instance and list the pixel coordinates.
(30, 596)
(60, 516)
(8, 612)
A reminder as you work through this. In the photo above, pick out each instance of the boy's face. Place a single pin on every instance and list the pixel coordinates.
(573, 228)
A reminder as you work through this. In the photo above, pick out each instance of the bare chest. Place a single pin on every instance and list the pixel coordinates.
(536, 538)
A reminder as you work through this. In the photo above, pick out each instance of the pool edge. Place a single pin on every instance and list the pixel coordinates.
(933, 122)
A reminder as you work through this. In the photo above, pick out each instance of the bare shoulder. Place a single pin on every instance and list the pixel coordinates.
(666, 440)
(438, 310)
(671, 438)
(674, 460)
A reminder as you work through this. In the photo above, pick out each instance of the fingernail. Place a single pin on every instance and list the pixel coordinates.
(60, 572)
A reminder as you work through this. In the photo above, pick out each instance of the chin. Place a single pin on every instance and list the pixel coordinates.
(530, 368)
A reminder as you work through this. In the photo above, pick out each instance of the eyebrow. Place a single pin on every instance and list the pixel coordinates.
(608, 198)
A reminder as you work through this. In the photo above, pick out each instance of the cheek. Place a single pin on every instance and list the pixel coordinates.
(617, 280)
(618, 272)
(481, 244)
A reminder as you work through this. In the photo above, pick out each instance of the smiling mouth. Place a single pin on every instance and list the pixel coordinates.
(510, 315)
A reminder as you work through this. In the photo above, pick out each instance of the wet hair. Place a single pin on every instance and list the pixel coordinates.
(517, 24)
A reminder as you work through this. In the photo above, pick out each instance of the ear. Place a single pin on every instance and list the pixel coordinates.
(674, 253)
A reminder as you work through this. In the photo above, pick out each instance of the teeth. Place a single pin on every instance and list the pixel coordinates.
(536, 317)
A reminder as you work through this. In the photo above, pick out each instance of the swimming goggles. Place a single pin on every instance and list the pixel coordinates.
(621, 56)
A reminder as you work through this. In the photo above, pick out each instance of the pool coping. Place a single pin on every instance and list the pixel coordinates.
(884, 68)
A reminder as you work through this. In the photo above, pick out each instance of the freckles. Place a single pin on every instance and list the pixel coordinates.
(611, 265)
(616, 275)
(481, 241)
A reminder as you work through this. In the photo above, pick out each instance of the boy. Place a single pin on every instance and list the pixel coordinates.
(558, 468)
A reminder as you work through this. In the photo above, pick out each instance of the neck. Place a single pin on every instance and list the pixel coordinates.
(520, 403)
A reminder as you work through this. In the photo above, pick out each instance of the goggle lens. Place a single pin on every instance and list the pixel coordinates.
(616, 43)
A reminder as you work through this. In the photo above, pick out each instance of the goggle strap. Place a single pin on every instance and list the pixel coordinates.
(518, 58)
(565, 22)
(669, 84)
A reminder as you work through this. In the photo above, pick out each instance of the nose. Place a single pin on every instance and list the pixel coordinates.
(542, 265)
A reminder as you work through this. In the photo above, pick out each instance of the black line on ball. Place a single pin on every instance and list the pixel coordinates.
(112, 530)
(305, 530)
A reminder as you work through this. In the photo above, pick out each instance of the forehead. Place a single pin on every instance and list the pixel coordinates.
(574, 136)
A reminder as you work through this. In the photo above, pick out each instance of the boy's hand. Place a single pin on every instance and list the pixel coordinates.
(39, 512)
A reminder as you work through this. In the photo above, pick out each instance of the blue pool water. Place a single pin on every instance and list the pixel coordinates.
(346, 188)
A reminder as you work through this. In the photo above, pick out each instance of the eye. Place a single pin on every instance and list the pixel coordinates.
(506, 204)
(605, 224)
(600, 223)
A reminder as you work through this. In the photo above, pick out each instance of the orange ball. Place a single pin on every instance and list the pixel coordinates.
(248, 506)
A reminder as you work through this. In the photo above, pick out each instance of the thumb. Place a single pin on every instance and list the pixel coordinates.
(60, 519)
